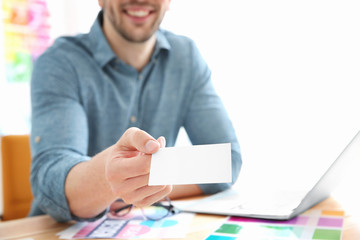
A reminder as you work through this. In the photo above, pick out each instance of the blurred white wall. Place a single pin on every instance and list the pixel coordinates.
(287, 72)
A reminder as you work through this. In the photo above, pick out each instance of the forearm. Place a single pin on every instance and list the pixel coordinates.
(87, 190)
(182, 191)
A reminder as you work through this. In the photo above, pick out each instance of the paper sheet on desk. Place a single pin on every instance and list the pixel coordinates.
(175, 226)
(191, 165)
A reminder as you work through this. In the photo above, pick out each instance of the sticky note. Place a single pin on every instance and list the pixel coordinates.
(191, 165)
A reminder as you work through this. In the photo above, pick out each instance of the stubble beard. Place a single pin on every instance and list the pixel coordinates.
(128, 34)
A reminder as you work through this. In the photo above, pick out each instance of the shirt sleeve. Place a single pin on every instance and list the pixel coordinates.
(59, 134)
(207, 121)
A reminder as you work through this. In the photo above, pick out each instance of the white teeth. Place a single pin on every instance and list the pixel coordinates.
(139, 13)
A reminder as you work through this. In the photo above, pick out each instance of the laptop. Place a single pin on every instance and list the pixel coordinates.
(282, 205)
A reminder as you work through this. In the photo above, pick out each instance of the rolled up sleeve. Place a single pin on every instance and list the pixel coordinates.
(59, 135)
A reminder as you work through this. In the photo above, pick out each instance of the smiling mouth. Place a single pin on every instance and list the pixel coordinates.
(138, 13)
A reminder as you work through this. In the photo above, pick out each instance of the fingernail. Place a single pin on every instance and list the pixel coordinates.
(163, 142)
(151, 145)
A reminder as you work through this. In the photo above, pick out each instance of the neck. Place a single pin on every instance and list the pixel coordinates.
(135, 54)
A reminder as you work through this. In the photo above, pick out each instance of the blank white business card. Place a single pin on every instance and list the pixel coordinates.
(191, 165)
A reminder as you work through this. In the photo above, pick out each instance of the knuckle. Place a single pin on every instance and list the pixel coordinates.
(128, 134)
(132, 132)
(138, 135)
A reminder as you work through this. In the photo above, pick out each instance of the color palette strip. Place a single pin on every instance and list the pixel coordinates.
(315, 224)
(26, 36)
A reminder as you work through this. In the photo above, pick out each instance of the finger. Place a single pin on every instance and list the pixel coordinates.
(131, 185)
(136, 139)
(122, 169)
(155, 197)
(162, 141)
(140, 194)
(133, 167)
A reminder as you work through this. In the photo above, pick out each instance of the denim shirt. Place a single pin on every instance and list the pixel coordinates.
(84, 98)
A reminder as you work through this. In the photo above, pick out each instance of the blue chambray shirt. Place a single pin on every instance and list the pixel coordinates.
(84, 98)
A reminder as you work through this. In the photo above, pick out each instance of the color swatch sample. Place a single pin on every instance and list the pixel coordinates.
(311, 225)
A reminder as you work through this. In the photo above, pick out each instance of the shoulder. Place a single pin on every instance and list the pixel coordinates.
(183, 49)
(176, 38)
(178, 42)
(66, 48)
(59, 64)
(64, 59)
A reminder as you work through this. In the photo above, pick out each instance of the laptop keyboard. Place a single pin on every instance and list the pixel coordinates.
(274, 202)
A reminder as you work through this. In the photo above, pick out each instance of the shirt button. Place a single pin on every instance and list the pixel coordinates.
(37, 139)
(141, 77)
(133, 119)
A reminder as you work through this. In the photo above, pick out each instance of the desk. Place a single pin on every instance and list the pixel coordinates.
(45, 228)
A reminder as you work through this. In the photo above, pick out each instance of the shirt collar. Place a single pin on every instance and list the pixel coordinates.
(161, 42)
(101, 49)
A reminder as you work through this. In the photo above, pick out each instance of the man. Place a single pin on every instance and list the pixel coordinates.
(90, 90)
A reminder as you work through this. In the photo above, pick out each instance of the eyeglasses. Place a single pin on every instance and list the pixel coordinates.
(155, 212)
